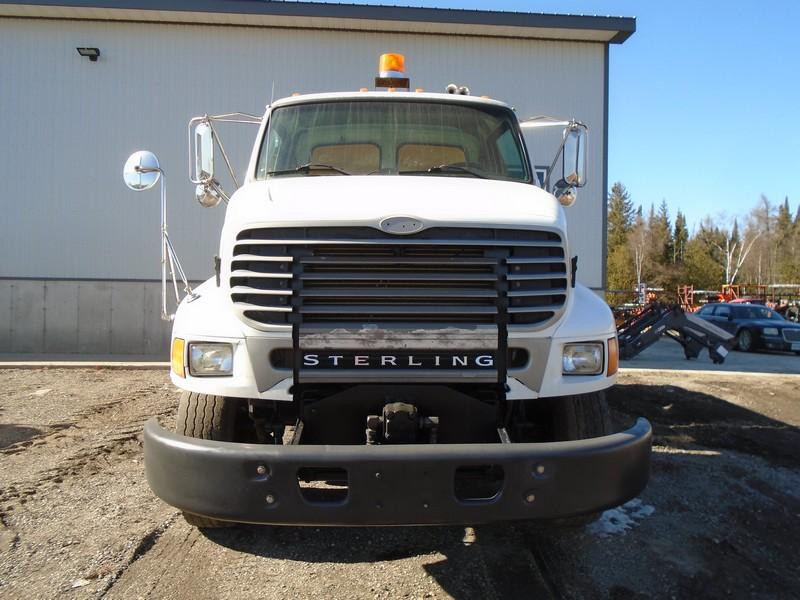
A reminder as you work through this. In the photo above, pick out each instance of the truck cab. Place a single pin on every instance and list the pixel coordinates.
(394, 333)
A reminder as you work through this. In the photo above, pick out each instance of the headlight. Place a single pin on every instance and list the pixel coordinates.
(210, 359)
(582, 359)
(770, 331)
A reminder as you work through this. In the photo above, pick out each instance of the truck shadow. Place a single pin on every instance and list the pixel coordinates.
(487, 561)
(682, 417)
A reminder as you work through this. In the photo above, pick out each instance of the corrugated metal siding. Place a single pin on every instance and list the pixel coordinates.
(69, 124)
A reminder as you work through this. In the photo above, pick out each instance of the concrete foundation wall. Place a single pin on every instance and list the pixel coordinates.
(49, 317)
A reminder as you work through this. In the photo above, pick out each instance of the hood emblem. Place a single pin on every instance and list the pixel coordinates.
(401, 225)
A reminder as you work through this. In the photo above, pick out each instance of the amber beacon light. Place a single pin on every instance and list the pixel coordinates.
(392, 72)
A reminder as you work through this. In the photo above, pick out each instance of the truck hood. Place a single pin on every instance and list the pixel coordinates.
(367, 200)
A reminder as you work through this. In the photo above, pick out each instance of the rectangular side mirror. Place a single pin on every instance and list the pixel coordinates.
(203, 153)
(574, 156)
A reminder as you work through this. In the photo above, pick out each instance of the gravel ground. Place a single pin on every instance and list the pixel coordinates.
(720, 518)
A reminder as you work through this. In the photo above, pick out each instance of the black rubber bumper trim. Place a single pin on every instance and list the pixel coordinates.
(396, 485)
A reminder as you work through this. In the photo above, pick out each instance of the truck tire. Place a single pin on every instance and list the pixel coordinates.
(580, 417)
(744, 340)
(209, 418)
(576, 418)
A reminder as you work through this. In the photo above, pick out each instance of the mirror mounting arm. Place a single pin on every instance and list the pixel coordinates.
(203, 141)
(132, 173)
(169, 258)
(572, 124)
(224, 156)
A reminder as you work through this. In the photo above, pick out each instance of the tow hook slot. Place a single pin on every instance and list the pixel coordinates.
(401, 423)
(478, 483)
(323, 485)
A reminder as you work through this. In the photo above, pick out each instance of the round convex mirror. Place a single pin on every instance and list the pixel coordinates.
(207, 196)
(141, 171)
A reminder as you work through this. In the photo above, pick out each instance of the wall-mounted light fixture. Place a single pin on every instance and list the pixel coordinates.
(91, 53)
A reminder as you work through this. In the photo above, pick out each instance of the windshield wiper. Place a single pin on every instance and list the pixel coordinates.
(308, 167)
(445, 169)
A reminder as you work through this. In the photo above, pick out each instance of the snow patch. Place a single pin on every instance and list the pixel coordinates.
(618, 521)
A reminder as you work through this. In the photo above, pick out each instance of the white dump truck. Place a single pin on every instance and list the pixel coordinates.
(394, 333)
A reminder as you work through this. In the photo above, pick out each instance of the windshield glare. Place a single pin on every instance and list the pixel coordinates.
(393, 138)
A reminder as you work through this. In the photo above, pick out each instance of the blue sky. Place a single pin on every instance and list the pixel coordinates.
(704, 99)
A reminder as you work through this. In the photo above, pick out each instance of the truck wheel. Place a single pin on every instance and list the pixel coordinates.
(580, 417)
(577, 418)
(209, 418)
(744, 340)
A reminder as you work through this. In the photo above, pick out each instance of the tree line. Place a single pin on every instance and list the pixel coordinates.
(649, 247)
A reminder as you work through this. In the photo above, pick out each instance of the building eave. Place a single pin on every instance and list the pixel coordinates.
(313, 15)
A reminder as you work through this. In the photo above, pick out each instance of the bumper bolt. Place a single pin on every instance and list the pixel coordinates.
(261, 470)
(540, 469)
(270, 499)
(378, 475)
(529, 498)
(425, 505)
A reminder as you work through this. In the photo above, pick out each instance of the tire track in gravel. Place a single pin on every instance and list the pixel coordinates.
(145, 545)
(77, 421)
(88, 454)
(73, 501)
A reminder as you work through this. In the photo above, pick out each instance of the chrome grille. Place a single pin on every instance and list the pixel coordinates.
(791, 335)
(358, 275)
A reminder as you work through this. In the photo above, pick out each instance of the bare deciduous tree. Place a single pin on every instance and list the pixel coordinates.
(639, 241)
(735, 251)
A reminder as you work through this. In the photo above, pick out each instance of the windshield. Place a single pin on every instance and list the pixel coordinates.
(385, 137)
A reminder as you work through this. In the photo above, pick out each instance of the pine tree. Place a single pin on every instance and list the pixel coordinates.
(680, 238)
(664, 234)
(620, 216)
(702, 271)
(784, 214)
(620, 271)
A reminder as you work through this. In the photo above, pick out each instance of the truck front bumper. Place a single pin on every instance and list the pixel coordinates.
(395, 484)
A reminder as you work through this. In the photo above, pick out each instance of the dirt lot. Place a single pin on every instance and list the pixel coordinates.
(721, 517)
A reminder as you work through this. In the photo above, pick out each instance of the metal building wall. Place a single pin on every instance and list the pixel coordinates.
(69, 124)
